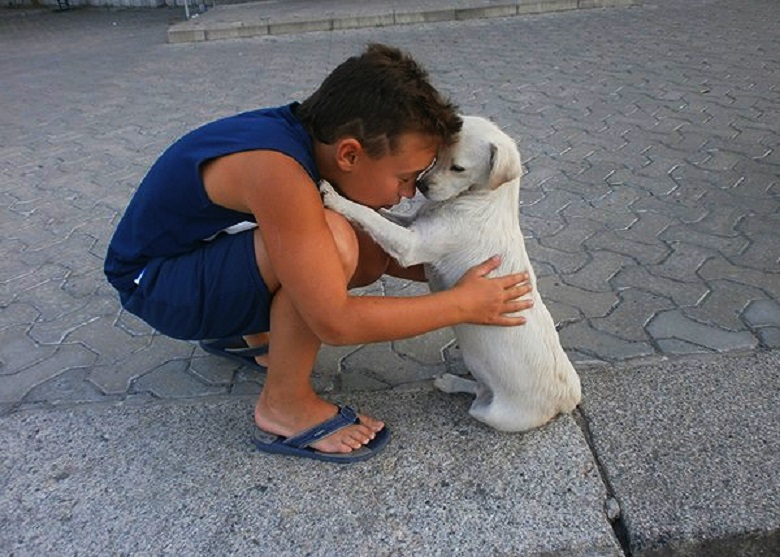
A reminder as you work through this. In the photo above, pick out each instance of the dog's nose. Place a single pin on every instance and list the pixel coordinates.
(422, 186)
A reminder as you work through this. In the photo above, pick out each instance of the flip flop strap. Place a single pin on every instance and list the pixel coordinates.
(345, 417)
(248, 351)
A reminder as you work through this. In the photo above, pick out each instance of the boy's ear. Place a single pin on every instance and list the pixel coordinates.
(348, 153)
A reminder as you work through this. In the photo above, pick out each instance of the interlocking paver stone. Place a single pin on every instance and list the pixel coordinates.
(14, 387)
(381, 362)
(595, 276)
(622, 321)
(762, 313)
(171, 380)
(599, 345)
(682, 293)
(673, 324)
(724, 304)
(770, 336)
(426, 349)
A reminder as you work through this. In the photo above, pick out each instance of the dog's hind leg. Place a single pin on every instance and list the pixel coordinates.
(450, 383)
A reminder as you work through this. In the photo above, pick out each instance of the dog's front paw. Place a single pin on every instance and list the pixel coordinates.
(330, 197)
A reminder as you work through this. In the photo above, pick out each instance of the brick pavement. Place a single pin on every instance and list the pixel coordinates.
(651, 202)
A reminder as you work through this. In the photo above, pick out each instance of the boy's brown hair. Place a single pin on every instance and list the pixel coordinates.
(376, 97)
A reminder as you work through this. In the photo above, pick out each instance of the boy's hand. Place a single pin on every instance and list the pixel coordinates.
(494, 301)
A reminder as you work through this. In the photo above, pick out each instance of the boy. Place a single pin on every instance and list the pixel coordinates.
(179, 262)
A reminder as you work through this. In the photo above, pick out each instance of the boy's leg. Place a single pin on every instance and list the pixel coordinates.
(288, 403)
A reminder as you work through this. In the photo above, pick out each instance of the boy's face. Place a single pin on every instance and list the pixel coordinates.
(381, 183)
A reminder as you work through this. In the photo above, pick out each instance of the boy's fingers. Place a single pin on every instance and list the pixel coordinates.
(520, 304)
(517, 290)
(485, 267)
(517, 279)
(520, 278)
(508, 321)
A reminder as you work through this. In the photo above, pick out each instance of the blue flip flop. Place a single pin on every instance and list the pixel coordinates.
(298, 445)
(235, 349)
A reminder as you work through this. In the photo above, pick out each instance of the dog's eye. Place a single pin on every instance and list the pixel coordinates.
(456, 168)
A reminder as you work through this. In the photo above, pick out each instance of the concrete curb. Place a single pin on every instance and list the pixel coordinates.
(246, 20)
(182, 479)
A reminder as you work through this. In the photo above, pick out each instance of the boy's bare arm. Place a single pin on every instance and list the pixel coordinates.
(305, 259)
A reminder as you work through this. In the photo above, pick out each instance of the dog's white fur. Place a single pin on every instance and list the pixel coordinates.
(523, 376)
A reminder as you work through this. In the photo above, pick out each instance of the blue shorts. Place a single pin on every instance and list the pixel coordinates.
(213, 292)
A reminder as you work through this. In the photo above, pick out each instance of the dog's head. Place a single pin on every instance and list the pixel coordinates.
(482, 158)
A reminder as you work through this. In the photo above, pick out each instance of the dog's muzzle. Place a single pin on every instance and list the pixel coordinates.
(422, 186)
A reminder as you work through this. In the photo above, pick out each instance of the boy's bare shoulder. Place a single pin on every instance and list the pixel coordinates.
(240, 181)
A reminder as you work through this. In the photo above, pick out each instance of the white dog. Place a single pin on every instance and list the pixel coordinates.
(523, 376)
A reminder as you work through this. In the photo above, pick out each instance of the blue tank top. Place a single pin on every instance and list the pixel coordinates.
(170, 212)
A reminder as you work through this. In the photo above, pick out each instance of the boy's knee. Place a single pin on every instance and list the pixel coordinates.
(361, 258)
(346, 241)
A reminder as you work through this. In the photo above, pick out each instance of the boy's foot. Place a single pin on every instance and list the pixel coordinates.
(301, 445)
(292, 420)
(253, 355)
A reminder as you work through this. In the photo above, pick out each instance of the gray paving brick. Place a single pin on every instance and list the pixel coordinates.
(115, 371)
(682, 293)
(18, 313)
(18, 351)
(426, 349)
(244, 388)
(213, 371)
(623, 321)
(67, 387)
(770, 336)
(683, 262)
(680, 347)
(14, 387)
(672, 206)
(110, 343)
(612, 219)
(560, 261)
(762, 253)
(647, 227)
(376, 361)
(171, 380)
(719, 268)
(572, 237)
(727, 246)
(648, 252)
(724, 304)
(596, 304)
(596, 274)
(538, 227)
(762, 313)
(600, 345)
(674, 325)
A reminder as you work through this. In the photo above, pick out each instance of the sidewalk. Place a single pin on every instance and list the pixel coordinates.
(687, 460)
(256, 19)
(651, 209)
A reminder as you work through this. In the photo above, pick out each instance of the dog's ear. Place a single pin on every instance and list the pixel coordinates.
(505, 163)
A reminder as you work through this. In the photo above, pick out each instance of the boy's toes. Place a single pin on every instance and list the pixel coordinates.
(375, 425)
